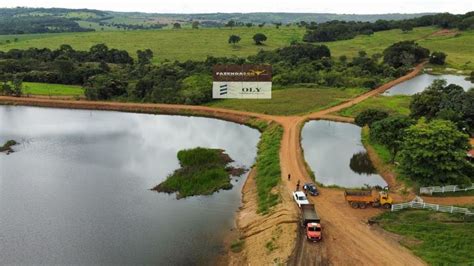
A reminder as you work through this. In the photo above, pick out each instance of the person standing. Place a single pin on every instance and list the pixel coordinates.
(289, 177)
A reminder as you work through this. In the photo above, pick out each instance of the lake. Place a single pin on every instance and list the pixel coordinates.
(77, 189)
(335, 153)
(420, 82)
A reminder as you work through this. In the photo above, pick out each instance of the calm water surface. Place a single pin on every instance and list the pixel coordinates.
(77, 189)
(420, 82)
(335, 153)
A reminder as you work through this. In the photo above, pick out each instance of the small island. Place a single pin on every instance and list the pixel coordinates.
(7, 147)
(203, 171)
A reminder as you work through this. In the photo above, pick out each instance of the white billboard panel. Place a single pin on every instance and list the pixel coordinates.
(242, 90)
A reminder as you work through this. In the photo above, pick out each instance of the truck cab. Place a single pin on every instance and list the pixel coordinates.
(313, 231)
(384, 199)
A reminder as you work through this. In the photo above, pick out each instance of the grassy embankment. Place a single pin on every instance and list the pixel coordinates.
(168, 44)
(267, 165)
(399, 104)
(203, 172)
(438, 238)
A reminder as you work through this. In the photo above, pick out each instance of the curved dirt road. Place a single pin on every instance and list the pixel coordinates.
(348, 240)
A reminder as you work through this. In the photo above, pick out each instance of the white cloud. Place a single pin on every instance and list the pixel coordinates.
(208, 6)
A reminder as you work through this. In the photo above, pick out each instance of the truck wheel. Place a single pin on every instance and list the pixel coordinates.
(387, 206)
(362, 205)
(354, 205)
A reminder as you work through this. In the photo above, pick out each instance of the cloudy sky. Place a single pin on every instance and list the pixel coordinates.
(208, 6)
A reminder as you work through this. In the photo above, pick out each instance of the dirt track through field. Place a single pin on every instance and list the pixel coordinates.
(347, 239)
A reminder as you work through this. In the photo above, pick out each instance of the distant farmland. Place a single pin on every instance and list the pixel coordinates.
(185, 44)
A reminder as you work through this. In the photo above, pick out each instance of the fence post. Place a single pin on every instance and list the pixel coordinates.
(452, 209)
(442, 189)
(437, 207)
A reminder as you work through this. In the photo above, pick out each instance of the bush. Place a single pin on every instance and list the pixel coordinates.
(437, 58)
(369, 116)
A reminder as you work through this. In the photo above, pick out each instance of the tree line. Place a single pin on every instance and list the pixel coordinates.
(342, 30)
(113, 74)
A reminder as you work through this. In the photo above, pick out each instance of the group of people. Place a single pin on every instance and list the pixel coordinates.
(297, 183)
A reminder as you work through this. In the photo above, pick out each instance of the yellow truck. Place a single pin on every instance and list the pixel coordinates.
(362, 198)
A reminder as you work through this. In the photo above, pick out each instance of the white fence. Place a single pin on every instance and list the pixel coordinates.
(434, 207)
(451, 188)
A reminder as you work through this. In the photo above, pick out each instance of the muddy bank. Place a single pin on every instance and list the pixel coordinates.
(268, 239)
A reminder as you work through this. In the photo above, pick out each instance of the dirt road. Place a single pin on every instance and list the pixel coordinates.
(348, 240)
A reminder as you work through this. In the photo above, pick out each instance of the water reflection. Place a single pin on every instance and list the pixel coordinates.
(361, 164)
(421, 82)
(77, 189)
(334, 152)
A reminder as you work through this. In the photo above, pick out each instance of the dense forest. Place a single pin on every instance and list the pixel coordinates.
(343, 30)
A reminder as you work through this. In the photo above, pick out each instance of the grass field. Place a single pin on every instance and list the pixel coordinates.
(459, 49)
(197, 44)
(292, 101)
(438, 238)
(399, 104)
(52, 89)
(180, 44)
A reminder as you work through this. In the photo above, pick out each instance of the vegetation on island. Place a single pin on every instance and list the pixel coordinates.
(7, 147)
(203, 171)
(449, 240)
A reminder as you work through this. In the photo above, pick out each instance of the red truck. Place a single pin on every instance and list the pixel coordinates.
(311, 222)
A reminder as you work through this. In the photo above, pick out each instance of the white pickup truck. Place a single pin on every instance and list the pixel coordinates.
(300, 198)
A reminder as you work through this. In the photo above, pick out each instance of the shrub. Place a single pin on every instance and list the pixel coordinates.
(369, 116)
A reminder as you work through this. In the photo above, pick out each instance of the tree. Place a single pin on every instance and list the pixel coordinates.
(259, 38)
(438, 96)
(468, 111)
(369, 116)
(404, 53)
(144, 57)
(234, 39)
(176, 26)
(195, 25)
(6, 89)
(437, 58)
(249, 25)
(230, 24)
(406, 27)
(434, 153)
(98, 52)
(390, 132)
(104, 87)
(17, 87)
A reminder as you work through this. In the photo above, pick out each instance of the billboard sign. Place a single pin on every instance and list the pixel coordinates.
(242, 82)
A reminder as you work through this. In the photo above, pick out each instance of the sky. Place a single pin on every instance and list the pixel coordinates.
(226, 6)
